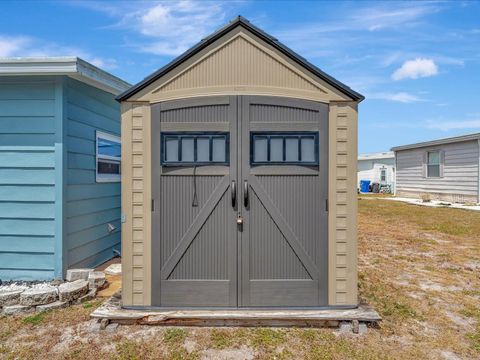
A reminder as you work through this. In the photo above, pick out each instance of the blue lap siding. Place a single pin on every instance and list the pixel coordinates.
(90, 206)
(53, 215)
(27, 178)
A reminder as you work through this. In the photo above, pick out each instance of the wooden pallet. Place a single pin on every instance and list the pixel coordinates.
(112, 312)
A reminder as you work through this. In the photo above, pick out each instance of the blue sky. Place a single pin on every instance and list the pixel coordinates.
(417, 63)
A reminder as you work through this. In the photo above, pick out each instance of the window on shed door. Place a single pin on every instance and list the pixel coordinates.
(433, 164)
(192, 149)
(282, 148)
(108, 154)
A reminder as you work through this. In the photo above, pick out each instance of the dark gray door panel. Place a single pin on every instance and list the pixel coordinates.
(278, 256)
(284, 250)
(194, 248)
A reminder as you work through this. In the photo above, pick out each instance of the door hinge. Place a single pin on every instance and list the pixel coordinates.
(326, 204)
(153, 205)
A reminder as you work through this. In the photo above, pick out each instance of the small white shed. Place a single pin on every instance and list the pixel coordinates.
(378, 168)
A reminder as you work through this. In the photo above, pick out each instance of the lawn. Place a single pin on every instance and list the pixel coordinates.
(419, 267)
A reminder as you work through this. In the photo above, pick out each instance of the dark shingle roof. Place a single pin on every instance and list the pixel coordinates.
(240, 21)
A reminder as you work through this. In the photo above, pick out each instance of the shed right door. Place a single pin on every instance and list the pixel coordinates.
(283, 241)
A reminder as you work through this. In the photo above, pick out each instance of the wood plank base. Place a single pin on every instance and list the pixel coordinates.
(112, 311)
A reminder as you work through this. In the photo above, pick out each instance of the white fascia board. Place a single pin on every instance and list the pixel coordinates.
(70, 66)
(450, 140)
(376, 156)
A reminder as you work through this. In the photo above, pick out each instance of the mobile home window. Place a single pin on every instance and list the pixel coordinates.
(383, 175)
(108, 156)
(192, 149)
(433, 164)
(282, 148)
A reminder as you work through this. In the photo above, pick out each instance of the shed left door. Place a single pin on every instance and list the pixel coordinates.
(194, 245)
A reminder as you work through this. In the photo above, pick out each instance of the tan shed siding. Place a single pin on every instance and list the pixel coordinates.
(238, 64)
(259, 70)
(343, 204)
(135, 203)
(254, 65)
(460, 174)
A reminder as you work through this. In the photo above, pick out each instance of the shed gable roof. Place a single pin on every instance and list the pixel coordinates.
(270, 65)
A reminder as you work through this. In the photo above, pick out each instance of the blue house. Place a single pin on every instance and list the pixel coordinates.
(59, 166)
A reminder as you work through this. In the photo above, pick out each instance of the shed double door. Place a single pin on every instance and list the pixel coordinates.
(250, 231)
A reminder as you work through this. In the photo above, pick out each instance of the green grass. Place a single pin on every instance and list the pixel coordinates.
(265, 337)
(34, 319)
(443, 220)
(174, 336)
(87, 305)
(127, 350)
(474, 338)
(222, 339)
(473, 312)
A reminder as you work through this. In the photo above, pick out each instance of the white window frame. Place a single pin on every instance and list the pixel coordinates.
(102, 178)
(439, 164)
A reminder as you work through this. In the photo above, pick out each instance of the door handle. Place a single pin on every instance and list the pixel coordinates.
(245, 193)
(233, 190)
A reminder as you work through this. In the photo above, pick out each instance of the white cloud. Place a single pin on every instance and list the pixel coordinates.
(380, 17)
(167, 27)
(369, 18)
(175, 26)
(101, 62)
(25, 46)
(453, 125)
(12, 45)
(441, 125)
(414, 69)
(402, 97)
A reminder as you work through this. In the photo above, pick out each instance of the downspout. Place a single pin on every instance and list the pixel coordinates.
(395, 171)
(60, 256)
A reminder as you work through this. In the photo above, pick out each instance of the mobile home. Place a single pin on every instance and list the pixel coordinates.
(377, 168)
(59, 166)
(444, 169)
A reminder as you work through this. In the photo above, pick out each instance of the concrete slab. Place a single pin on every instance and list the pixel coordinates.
(39, 296)
(96, 279)
(434, 203)
(9, 298)
(52, 306)
(71, 291)
(78, 274)
(17, 309)
(114, 269)
(112, 311)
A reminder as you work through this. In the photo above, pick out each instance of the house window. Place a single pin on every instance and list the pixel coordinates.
(433, 164)
(282, 148)
(108, 156)
(383, 175)
(192, 149)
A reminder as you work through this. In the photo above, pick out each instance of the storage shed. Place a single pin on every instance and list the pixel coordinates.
(59, 166)
(239, 179)
(444, 169)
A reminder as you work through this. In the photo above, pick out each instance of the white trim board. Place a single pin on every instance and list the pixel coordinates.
(73, 67)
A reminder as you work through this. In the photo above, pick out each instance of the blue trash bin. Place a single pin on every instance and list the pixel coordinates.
(364, 186)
